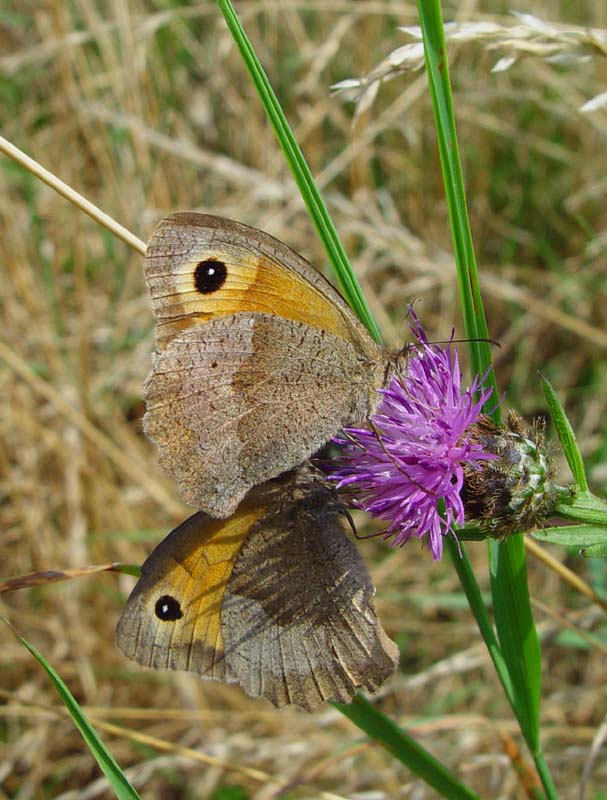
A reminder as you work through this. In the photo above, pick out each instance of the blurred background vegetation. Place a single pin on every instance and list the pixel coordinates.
(145, 108)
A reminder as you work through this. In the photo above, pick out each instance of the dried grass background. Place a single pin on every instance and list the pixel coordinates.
(144, 108)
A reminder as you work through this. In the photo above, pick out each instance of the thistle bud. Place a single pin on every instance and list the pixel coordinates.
(513, 492)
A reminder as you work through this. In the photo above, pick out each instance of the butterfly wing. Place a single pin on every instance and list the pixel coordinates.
(199, 267)
(259, 361)
(239, 400)
(276, 599)
(297, 617)
(172, 617)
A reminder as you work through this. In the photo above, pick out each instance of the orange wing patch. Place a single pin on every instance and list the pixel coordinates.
(172, 617)
(209, 567)
(193, 276)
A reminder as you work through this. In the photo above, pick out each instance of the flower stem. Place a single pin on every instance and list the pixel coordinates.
(477, 606)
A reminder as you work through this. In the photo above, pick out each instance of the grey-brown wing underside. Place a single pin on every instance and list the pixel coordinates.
(298, 620)
(239, 400)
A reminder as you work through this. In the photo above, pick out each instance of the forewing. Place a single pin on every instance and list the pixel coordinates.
(172, 617)
(258, 273)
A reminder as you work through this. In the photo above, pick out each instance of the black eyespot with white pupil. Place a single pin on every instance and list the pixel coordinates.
(168, 608)
(210, 275)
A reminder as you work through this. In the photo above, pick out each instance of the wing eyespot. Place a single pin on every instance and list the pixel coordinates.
(210, 275)
(168, 608)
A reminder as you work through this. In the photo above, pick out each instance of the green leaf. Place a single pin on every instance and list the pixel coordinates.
(581, 536)
(116, 778)
(566, 435)
(595, 551)
(404, 747)
(583, 507)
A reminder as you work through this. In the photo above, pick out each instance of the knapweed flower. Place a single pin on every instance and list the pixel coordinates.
(408, 467)
(430, 460)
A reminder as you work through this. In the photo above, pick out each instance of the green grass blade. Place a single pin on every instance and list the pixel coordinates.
(477, 606)
(303, 177)
(566, 435)
(467, 274)
(404, 748)
(516, 632)
(514, 622)
(116, 778)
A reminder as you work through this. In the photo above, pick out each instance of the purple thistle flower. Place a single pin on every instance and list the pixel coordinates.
(409, 467)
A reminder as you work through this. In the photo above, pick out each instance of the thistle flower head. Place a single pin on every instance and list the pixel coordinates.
(430, 460)
(408, 467)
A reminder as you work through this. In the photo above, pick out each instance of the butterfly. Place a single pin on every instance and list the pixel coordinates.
(275, 598)
(259, 361)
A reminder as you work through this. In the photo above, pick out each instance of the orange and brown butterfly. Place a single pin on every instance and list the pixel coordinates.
(259, 360)
(276, 598)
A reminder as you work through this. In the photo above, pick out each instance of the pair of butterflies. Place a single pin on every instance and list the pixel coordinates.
(258, 363)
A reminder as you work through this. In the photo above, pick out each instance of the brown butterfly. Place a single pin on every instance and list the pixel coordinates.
(275, 598)
(259, 360)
